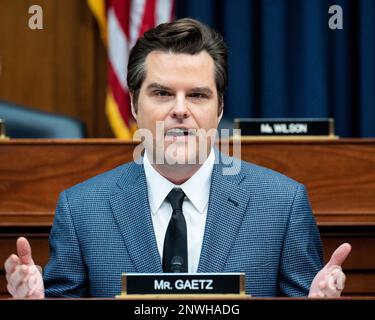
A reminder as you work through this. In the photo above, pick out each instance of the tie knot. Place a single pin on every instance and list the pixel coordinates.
(176, 198)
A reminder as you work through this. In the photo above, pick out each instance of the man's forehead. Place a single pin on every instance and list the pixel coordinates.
(163, 67)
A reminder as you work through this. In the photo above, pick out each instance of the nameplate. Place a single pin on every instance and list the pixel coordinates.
(182, 283)
(285, 127)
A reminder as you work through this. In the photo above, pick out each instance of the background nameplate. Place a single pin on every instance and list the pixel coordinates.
(285, 127)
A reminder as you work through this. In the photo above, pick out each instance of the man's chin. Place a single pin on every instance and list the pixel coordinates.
(181, 150)
(180, 155)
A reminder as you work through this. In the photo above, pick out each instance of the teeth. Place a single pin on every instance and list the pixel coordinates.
(175, 132)
(179, 132)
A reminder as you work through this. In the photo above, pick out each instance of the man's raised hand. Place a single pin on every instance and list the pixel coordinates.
(23, 276)
(330, 281)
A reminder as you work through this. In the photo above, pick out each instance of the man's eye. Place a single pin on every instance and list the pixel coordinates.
(197, 95)
(162, 93)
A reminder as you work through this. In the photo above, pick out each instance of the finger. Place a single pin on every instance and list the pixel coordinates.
(339, 256)
(16, 270)
(331, 283)
(31, 284)
(19, 291)
(39, 268)
(11, 263)
(24, 251)
(331, 293)
(22, 290)
(11, 290)
(28, 284)
(322, 285)
(18, 276)
(35, 284)
(33, 277)
(341, 280)
(37, 293)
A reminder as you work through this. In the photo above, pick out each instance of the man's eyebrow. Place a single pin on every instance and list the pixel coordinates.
(157, 86)
(204, 90)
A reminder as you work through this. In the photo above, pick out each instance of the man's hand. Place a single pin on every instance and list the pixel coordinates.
(330, 281)
(23, 276)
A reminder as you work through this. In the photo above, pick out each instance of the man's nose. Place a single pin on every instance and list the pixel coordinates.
(180, 109)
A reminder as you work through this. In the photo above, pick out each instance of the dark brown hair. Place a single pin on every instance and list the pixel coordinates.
(181, 36)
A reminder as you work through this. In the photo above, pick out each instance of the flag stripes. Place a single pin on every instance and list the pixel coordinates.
(121, 23)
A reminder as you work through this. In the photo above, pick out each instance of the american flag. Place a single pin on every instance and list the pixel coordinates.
(121, 23)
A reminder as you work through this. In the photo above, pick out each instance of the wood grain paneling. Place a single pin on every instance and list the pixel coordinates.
(31, 185)
(339, 175)
(362, 240)
(61, 68)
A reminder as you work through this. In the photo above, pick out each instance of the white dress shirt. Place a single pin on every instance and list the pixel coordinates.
(197, 191)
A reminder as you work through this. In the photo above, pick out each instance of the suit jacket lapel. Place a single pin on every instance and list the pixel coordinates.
(131, 210)
(226, 209)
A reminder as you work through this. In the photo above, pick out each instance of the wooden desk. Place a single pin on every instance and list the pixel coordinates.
(339, 176)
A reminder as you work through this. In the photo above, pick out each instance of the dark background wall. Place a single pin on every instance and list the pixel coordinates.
(284, 61)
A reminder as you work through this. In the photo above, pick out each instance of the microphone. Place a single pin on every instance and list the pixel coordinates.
(177, 264)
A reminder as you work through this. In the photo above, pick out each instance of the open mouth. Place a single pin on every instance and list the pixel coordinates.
(180, 132)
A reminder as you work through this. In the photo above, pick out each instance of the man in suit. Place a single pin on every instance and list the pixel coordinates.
(243, 219)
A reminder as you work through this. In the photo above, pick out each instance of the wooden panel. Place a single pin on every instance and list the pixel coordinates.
(360, 284)
(362, 241)
(339, 175)
(38, 242)
(31, 187)
(61, 68)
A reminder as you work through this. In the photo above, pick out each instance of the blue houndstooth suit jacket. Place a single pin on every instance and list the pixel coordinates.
(258, 222)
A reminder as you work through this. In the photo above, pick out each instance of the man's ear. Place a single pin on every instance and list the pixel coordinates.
(131, 94)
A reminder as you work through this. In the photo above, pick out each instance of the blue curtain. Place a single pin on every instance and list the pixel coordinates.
(284, 60)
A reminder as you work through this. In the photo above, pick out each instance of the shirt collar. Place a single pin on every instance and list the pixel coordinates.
(197, 188)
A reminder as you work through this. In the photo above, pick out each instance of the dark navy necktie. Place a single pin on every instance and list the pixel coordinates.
(175, 256)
